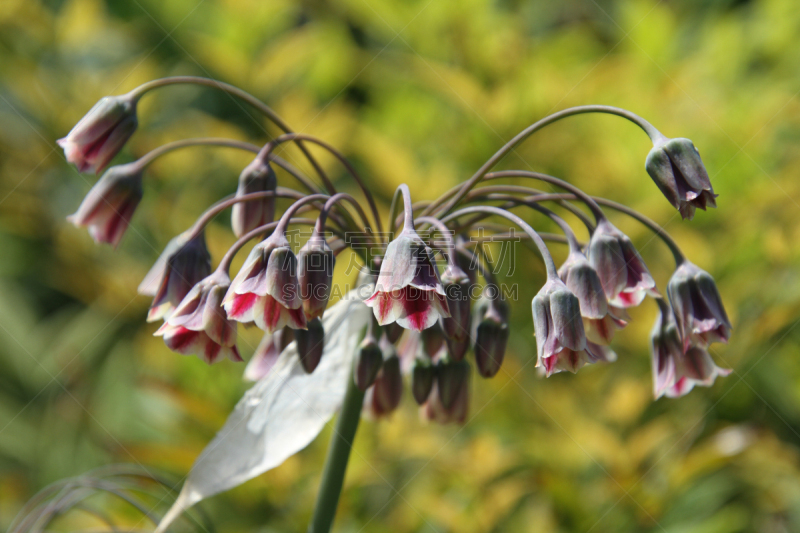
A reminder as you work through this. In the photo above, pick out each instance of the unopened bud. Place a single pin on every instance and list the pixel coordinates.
(368, 363)
(432, 340)
(456, 286)
(310, 344)
(490, 346)
(422, 376)
(388, 388)
(451, 376)
(393, 332)
(258, 176)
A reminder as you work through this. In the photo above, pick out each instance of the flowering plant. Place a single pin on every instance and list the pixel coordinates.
(403, 317)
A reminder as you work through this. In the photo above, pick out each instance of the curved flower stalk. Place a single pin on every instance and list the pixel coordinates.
(576, 311)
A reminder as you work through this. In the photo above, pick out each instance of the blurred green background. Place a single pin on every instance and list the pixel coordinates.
(420, 92)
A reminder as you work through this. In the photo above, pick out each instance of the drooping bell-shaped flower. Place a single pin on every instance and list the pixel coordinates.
(699, 313)
(491, 331)
(101, 133)
(385, 394)
(258, 176)
(600, 321)
(315, 262)
(108, 208)
(665, 349)
(310, 344)
(267, 352)
(623, 274)
(184, 262)
(457, 326)
(694, 368)
(560, 339)
(199, 324)
(408, 290)
(676, 167)
(265, 290)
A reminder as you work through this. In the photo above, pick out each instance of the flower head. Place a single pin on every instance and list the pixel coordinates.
(265, 290)
(408, 289)
(101, 133)
(200, 326)
(699, 313)
(258, 176)
(108, 208)
(623, 274)
(600, 320)
(184, 262)
(677, 169)
(315, 262)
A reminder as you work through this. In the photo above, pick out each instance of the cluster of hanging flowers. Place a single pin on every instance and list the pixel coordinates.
(425, 321)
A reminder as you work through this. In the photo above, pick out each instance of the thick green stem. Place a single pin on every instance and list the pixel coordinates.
(336, 462)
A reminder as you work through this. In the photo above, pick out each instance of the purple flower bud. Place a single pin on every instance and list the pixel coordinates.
(699, 313)
(457, 394)
(622, 272)
(393, 332)
(408, 289)
(258, 176)
(368, 362)
(310, 343)
(432, 341)
(676, 167)
(200, 326)
(456, 286)
(384, 396)
(184, 262)
(101, 133)
(267, 352)
(457, 348)
(423, 374)
(108, 208)
(491, 331)
(265, 290)
(315, 262)
(451, 376)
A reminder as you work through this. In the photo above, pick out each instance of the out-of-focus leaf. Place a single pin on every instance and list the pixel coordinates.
(280, 415)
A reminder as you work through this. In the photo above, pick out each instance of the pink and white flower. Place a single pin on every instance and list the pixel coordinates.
(108, 208)
(265, 290)
(199, 324)
(101, 133)
(623, 274)
(408, 290)
(560, 338)
(699, 313)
